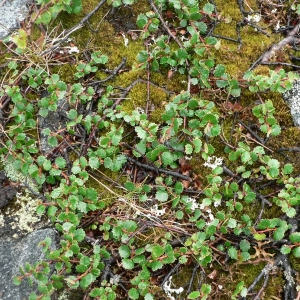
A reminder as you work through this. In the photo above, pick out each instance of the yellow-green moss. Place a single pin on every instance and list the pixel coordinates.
(254, 44)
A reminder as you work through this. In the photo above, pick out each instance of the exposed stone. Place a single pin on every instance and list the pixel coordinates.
(12, 12)
(14, 254)
(7, 192)
(292, 97)
(55, 120)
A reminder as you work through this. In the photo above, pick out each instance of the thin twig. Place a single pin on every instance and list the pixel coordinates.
(158, 170)
(74, 28)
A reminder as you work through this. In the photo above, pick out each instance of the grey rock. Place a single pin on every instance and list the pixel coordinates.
(55, 120)
(14, 254)
(292, 97)
(12, 12)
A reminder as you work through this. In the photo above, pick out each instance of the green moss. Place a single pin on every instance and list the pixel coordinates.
(66, 72)
(238, 60)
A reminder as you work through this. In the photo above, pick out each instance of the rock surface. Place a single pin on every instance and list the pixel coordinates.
(14, 254)
(292, 97)
(7, 192)
(12, 12)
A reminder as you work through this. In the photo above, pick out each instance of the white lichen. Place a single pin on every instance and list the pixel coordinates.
(168, 290)
(157, 212)
(213, 162)
(254, 18)
(192, 200)
(25, 217)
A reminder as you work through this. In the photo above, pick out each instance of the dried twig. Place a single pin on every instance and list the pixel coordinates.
(158, 170)
(73, 29)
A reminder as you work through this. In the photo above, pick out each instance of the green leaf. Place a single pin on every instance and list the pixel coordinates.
(156, 265)
(188, 149)
(157, 251)
(259, 236)
(219, 70)
(296, 252)
(285, 249)
(178, 188)
(295, 237)
(52, 141)
(94, 162)
(161, 195)
(194, 295)
(79, 235)
(167, 158)
(127, 263)
(129, 186)
(232, 252)
(288, 169)
(72, 114)
(60, 162)
(244, 245)
(133, 293)
(17, 280)
(279, 234)
(124, 251)
(208, 8)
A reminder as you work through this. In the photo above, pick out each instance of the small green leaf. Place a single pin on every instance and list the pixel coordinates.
(295, 237)
(127, 263)
(129, 186)
(285, 249)
(259, 236)
(219, 70)
(288, 169)
(157, 251)
(244, 245)
(232, 252)
(194, 295)
(161, 195)
(133, 293)
(296, 252)
(167, 158)
(178, 188)
(124, 251)
(188, 149)
(208, 8)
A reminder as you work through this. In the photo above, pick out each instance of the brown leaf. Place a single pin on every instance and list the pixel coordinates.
(212, 275)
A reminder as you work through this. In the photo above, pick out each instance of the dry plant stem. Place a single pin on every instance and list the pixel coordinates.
(257, 297)
(288, 40)
(281, 64)
(74, 28)
(292, 149)
(112, 75)
(158, 170)
(252, 132)
(289, 288)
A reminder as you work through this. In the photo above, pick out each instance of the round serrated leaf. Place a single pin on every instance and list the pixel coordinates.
(194, 295)
(296, 252)
(285, 249)
(219, 70)
(167, 158)
(288, 169)
(161, 195)
(127, 264)
(124, 251)
(295, 237)
(232, 252)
